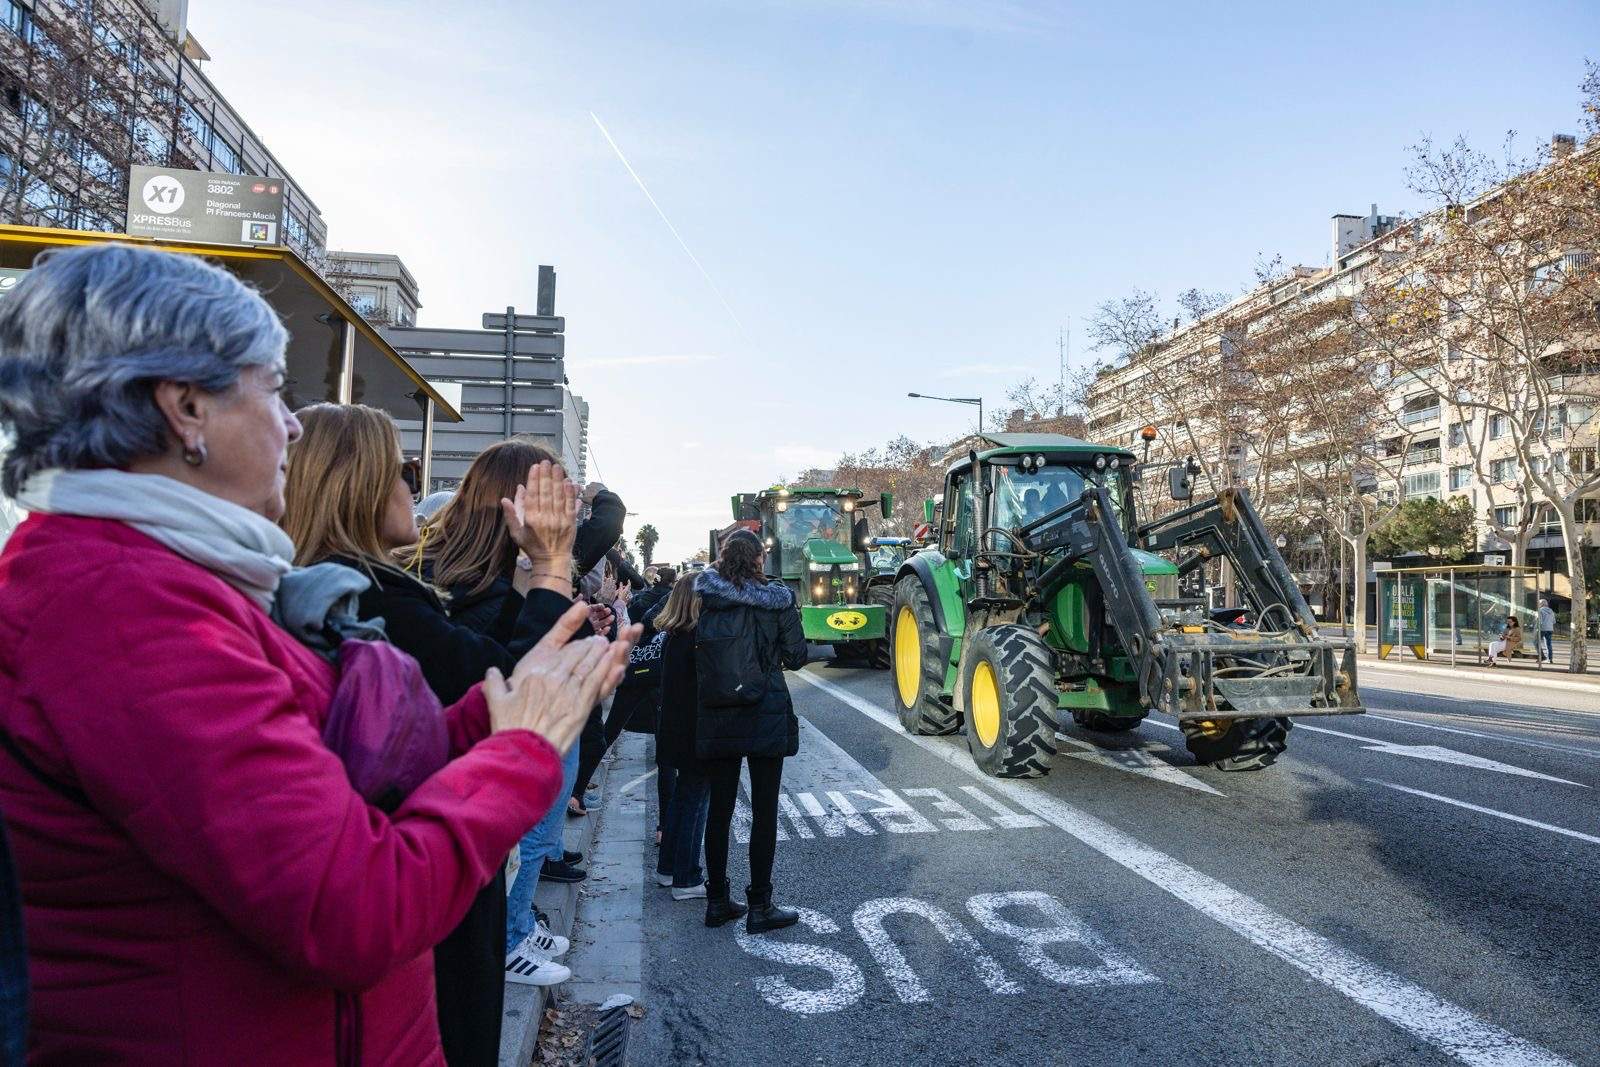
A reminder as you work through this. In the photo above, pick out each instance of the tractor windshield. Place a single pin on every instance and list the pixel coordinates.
(1023, 496)
(805, 518)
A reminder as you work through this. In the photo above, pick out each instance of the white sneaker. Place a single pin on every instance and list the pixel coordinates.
(529, 970)
(663, 880)
(694, 892)
(542, 944)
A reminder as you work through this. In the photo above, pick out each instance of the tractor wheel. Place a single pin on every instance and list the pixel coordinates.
(1094, 719)
(1010, 685)
(878, 652)
(1237, 745)
(917, 671)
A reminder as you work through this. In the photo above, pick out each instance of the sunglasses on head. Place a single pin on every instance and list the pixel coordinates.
(411, 474)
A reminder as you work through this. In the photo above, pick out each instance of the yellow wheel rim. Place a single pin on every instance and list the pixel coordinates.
(907, 657)
(1211, 729)
(984, 703)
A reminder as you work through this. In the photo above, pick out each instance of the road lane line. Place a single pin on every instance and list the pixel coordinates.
(1447, 1027)
(1487, 811)
(1551, 745)
(1437, 754)
(1134, 761)
(642, 778)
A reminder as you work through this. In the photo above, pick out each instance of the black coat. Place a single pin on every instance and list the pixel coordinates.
(646, 603)
(453, 656)
(680, 703)
(767, 727)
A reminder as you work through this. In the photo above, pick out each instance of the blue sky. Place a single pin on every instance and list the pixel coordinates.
(889, 195)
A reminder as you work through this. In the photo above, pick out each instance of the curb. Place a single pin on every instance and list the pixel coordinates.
(1519, 676)
(523, 1008)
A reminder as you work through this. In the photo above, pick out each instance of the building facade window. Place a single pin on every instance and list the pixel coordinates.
(1460, 477)
(1498, 427)
(1458, 433)
(1505, 517)
(1422, 484)
(1503, 471)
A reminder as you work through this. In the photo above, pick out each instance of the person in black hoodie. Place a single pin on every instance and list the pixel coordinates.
(748, 634)
(349, 503)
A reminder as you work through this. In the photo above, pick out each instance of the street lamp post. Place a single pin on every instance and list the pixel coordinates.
(978, 400)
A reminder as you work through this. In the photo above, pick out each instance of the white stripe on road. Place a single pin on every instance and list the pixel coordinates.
(1487, 811)
(643, 777)
(1551, 745)
(1438, 754)
(1444, 1025)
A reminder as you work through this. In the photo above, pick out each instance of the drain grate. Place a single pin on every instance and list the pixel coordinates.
(608, 1042)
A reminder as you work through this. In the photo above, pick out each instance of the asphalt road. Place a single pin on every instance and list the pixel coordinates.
(1418, 885)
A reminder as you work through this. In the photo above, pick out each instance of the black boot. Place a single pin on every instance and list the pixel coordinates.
(764, 915)
(720, 907)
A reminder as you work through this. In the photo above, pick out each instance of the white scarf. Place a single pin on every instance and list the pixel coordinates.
(234, 543)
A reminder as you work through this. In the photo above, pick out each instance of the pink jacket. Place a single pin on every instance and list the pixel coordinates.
(226, 897)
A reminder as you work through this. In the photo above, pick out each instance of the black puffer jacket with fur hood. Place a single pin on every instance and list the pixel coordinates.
(767, 727)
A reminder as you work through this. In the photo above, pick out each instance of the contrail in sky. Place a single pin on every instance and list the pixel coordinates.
(681, 242)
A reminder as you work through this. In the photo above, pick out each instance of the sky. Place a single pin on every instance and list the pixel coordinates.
(870, 197)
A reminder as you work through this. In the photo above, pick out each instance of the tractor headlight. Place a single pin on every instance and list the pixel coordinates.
(783, 505)
(1116, 461)
(1099, 464)
(849, 505)
(817, 590)
(769, 542)
(1038, 461)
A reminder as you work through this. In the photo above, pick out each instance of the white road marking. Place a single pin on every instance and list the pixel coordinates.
(1437, 754)
(642, 778)
(1163, 725)
(1448, 1027)
(1551, 745)
(848, 982)
(1002, 815)
(868, 921)
(1111, 967)
(1488, 811)
(1134, 762)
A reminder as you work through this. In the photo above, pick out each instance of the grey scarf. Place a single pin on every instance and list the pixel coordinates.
(240, 547)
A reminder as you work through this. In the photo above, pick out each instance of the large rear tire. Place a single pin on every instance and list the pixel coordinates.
(1009, 682)
(1245, 745)
(916, 675)
(879, 654)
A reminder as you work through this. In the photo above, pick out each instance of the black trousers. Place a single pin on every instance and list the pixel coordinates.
(592, 745)
(766, 776)
(469, 974)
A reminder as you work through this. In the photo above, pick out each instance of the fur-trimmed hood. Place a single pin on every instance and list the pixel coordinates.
(717, 592)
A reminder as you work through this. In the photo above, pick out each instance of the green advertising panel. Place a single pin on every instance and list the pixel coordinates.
(1400, 613)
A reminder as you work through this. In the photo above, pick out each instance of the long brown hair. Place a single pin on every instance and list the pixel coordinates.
(467, 540)
(341, 472)
(681, 612)
(740, 559)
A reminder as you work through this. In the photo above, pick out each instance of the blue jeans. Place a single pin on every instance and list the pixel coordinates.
(685, 830)
(1548, 639)
(545, 841)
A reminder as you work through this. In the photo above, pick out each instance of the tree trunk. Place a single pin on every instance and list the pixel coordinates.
(1578, 660)
(1358, 575)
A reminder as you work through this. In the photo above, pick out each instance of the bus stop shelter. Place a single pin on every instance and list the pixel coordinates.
(1453, 611)
(333, 353)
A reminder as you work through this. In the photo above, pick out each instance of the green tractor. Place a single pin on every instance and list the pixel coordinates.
(885, 556)
(1044, 594)
(816, 540)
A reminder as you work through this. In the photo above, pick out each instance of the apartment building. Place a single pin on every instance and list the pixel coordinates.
(376, 284)
(1425, 445)
(88, 89)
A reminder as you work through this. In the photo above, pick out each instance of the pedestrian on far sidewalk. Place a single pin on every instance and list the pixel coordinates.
(748, 634)
(1547, 631)
(1508, 644)
(685, 791)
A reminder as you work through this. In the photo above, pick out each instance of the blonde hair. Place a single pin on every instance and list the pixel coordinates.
(341, 473)
(681, 612)
(467, 542)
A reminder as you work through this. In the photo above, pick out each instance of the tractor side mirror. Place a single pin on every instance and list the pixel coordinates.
(859, 534)
(927, 511)
(1178, 481)
(886, 504)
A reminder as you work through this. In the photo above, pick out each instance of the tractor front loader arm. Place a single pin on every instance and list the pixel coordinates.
(1087, 530)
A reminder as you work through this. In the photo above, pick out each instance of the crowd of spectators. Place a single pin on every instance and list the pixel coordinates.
(268, 742)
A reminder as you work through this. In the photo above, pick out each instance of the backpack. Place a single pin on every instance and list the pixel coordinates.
(730, 669)
(384, 723)
(644, 663)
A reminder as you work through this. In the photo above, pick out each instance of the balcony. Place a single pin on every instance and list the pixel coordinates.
(1420, 417)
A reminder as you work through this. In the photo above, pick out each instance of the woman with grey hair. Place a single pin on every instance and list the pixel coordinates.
(201, 882)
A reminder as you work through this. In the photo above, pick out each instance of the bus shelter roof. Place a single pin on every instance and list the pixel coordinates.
(312, 312)
(1457, 568)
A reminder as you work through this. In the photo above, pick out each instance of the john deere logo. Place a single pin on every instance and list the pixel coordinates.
(1150, 584)
(847, 620)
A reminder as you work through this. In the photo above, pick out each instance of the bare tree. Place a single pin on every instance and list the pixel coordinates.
(88, 91)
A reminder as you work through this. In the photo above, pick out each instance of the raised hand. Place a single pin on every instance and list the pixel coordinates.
(542, 519)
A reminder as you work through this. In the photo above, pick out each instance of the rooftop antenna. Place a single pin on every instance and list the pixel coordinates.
(1063, 356)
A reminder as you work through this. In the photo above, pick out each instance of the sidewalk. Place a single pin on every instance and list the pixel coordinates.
(525, 1004)
(1519, 672)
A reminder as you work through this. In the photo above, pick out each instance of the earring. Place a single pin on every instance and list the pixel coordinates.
(194, 454)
